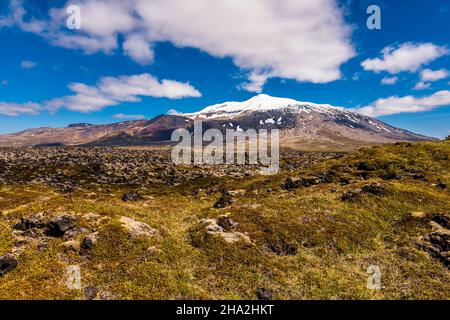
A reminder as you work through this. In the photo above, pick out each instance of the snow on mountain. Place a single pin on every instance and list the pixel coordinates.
(261, 102)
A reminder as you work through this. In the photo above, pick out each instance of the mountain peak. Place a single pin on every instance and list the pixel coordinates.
(267, 100)
(260, 102)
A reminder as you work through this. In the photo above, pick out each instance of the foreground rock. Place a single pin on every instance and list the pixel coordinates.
(58, 226)
(131, 196)
(8, 262)
(136, 228)
(224, 201)
(224, 227)
(263, 294)
(437, 243)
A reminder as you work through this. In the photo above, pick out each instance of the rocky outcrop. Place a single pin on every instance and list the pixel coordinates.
(136, 228)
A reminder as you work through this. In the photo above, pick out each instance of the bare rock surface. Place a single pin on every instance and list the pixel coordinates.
(136, 228)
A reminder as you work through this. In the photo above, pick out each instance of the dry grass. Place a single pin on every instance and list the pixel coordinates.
(332, 241)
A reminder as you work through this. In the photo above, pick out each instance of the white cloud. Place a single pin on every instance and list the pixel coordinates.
(394, 105)
(17, 15)
(109, 91)
(421, 86)
(138, 48)
(433, 75)
(289, 39)
(27, 64)
(123, 116)
(255, 82)
(265, 38)
(128, 88)
(389, 80)
(406, 57)
(15, 109)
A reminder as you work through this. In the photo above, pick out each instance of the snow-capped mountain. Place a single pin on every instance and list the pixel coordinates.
(261, 102)
(302, 122)
(302, 125)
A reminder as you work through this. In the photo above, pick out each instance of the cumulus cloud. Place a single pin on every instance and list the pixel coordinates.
(27, 64)
(123, 116)
(139, 49)
(406, 57)
(15, 109)
(109, 91)
(265, 38)
(433, 75)
(421, 86)
(389, 80)
(394, 105)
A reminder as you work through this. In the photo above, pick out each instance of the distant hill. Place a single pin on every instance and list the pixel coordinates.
(301, 124)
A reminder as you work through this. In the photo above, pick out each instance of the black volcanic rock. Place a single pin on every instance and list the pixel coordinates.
(8, 262)
(58, 226)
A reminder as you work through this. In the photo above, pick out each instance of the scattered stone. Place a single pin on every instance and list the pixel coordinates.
(91, 292)
(435, 226)
(282, 247)
(73, 233)
(418, 215)
(391, 176)
(406, 253)
(8, 262)
(374, 188)
(130, 196)
(71, 245)
(263, 294)
(225, 200)
(290, 184)
(441, 185)
(364, 166)
(58, 226)
(440, 239)
(136, 228)
(237, 192)
(36, 221)
(89, 241)
(442, 219)
(419, 176)
(351, 195)
(226, 223)
(213, 228)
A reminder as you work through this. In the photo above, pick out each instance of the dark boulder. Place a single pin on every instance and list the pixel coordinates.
(89, 241)
(440, 240)
(25, 224)
(8, 262)
(351, 195)
(441, 185)
(58, 226)
(224, 201)
(374, 188)
(264, 294)
(442, 219)
(226, 223)
(290, 184)
(91, 292)
(131, 196)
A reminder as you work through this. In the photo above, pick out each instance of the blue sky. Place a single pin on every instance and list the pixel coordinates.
(327, 55)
